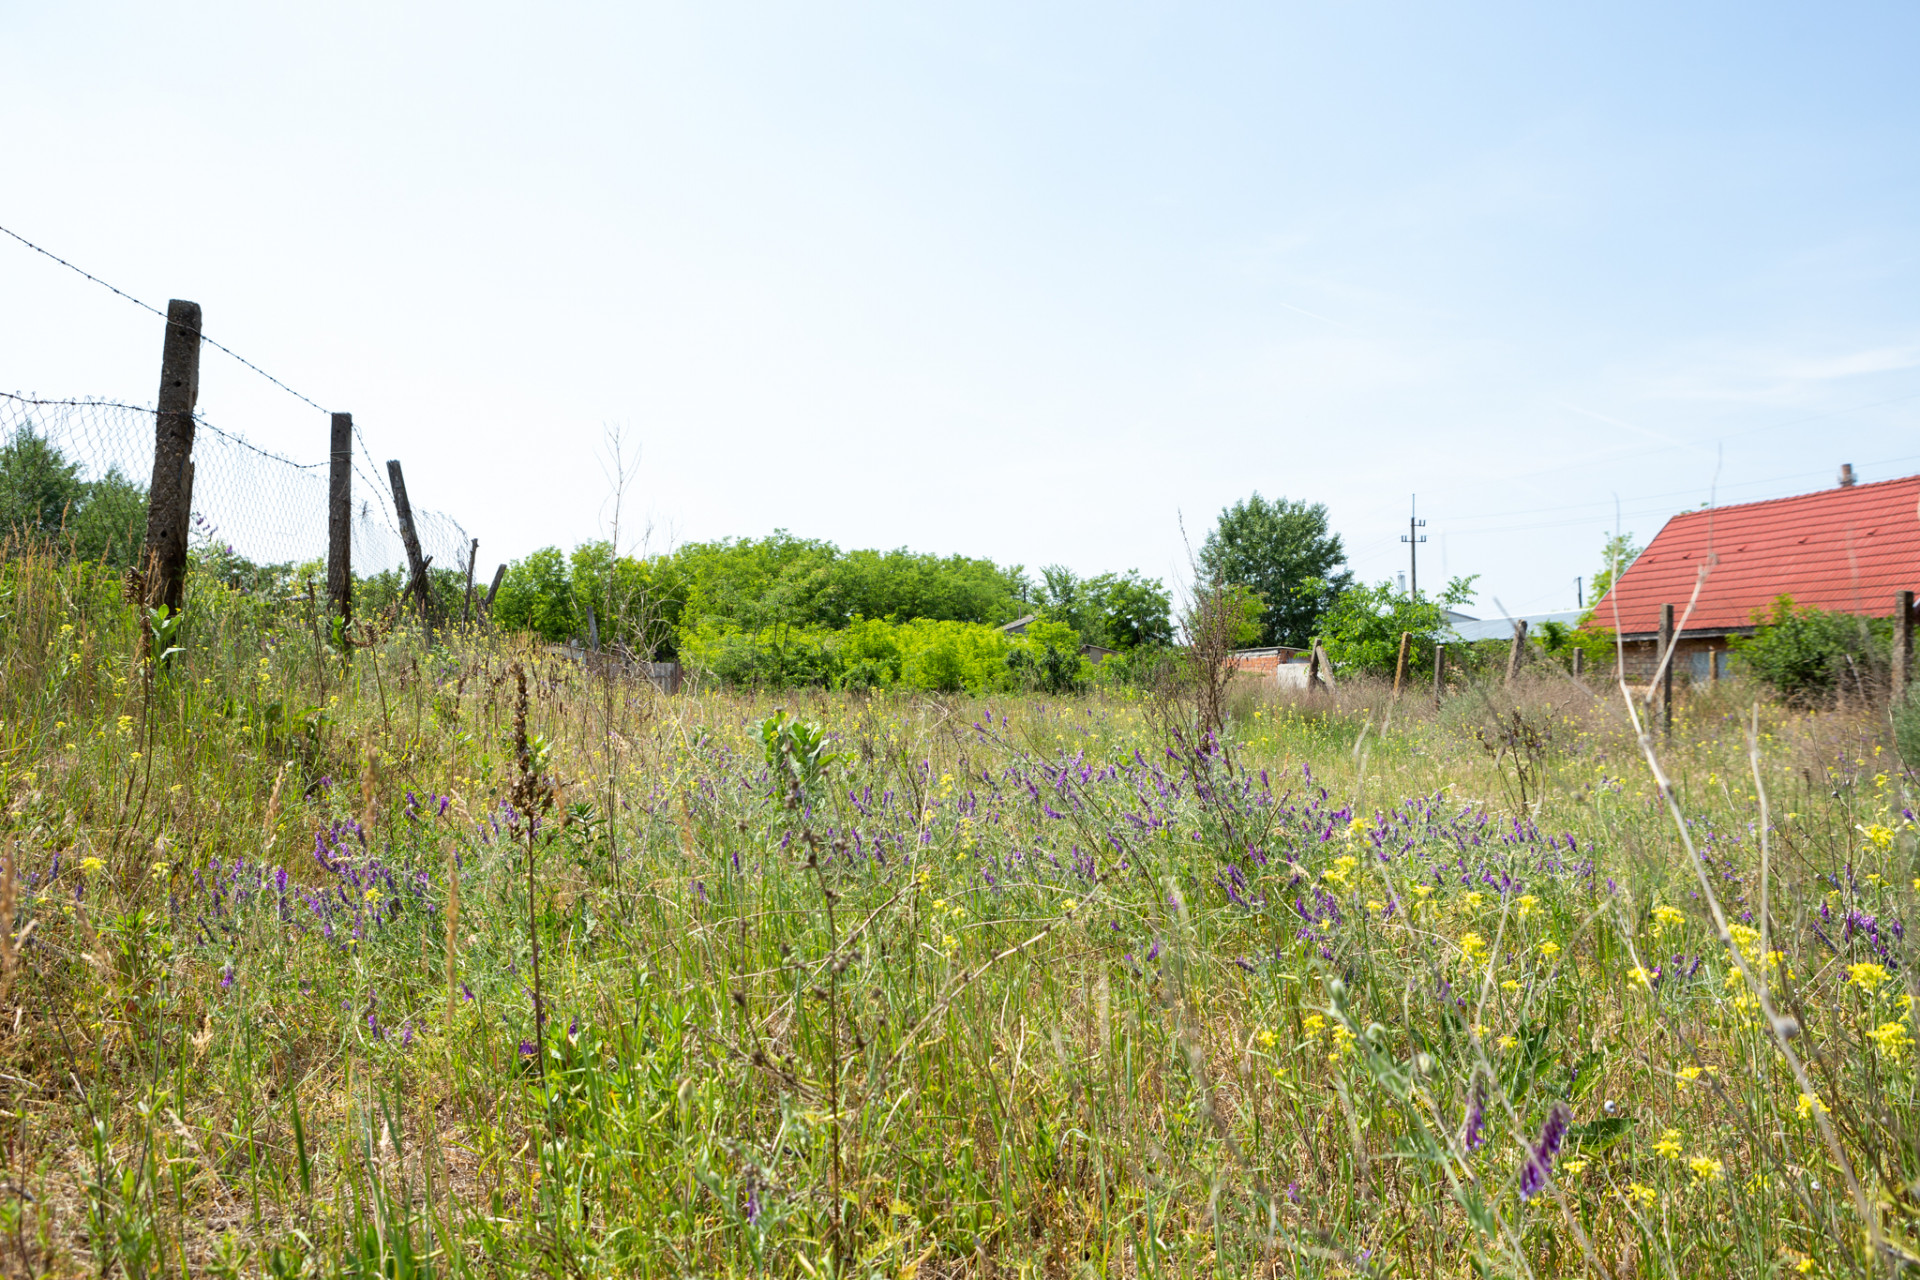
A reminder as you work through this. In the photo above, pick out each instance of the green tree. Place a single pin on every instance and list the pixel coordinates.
(1134, 610)
(1619, 552)
(39, 488)
(1362, 630)
(537, 595)
(42, 495)
(1283, 550)
(1114, 610)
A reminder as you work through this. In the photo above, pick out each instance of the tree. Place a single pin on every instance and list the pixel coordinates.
(1619, 552)
(537, 595)
(42, 495)
(1363, 628)
(1134, 610)
(1282, 550)
(1114, 610)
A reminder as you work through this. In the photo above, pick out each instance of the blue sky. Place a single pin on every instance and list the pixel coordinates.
(1043, 283)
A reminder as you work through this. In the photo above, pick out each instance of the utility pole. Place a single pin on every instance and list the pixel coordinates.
(1413, 538)
(1580, 592)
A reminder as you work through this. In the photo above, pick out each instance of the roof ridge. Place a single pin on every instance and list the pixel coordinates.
(1792, 497)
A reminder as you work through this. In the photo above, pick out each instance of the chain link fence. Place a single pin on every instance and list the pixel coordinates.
(81, 468)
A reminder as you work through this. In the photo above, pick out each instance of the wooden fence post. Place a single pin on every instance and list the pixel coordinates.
(170, 496)
(1400, 667)
(1902, 643)
(1664, 655)
(499, 576)
(416, 563)
(340, 520)
(1579, 663)
(1439, 672)
(1519, 649)
(466, 610)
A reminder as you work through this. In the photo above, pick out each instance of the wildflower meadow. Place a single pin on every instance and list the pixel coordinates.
(405, 957)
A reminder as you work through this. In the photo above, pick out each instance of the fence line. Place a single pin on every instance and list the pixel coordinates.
(265, 507)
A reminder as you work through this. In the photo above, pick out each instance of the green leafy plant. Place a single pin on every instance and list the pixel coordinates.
(1805, 654)
(1362, 631)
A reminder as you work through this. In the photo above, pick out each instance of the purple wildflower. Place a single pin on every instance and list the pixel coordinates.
(226, 978)
(1533, 1179)
(1474, 1132)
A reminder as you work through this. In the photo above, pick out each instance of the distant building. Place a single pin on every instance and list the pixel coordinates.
(1265, 662)
(1462, 628)
(1847, 550)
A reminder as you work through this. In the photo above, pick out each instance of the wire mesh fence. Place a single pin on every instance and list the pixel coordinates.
(82, 467)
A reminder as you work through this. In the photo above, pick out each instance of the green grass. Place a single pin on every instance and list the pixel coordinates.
(1003, 987)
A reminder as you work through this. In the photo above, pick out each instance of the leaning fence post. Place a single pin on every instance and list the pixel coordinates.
(1902, 643)
(340, 521)
(1519, 649)
(1664, 655)
(466, 610)
(1579, 663)
(1439, 672)
(415, 564)
(1400, 667)
(499, 576)
(170, 496)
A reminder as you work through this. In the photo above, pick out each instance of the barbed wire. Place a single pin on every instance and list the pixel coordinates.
(260, 505)
(148, 306)
(436, 530)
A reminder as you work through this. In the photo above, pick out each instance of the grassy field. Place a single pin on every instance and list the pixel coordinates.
(466, 959)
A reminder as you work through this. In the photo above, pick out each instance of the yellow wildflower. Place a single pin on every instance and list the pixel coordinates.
(1342, 1041)
(1641, 976)
(1668, 917)
(1573, 1166)
(1508, 1042)
(1706, 1169)
(1267, 1038)
(1549, 948)
(1688, 1075)
(1880, 837)
(1669, 1145)
(1867, 977)
(1511, 984)
(1892, 1038)
(1313, 1024)
(1375, 908)
(1642, 1196)
(92, 865)
(1472, 900)
(1474, 945)
(1527, 904)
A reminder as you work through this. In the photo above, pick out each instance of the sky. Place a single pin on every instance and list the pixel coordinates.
(1049, 283)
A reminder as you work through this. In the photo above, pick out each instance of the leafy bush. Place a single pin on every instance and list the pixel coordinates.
(1804, 654)
(537, 595)
(1362, 630)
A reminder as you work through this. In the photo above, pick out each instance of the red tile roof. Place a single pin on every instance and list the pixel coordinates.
(1843, 549)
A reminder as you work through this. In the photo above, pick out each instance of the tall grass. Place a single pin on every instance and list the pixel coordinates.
(1040, 986)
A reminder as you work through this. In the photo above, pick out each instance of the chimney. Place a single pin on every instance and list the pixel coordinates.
(1846, 475)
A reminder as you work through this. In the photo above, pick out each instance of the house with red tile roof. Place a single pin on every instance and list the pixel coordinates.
(1849, 549)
